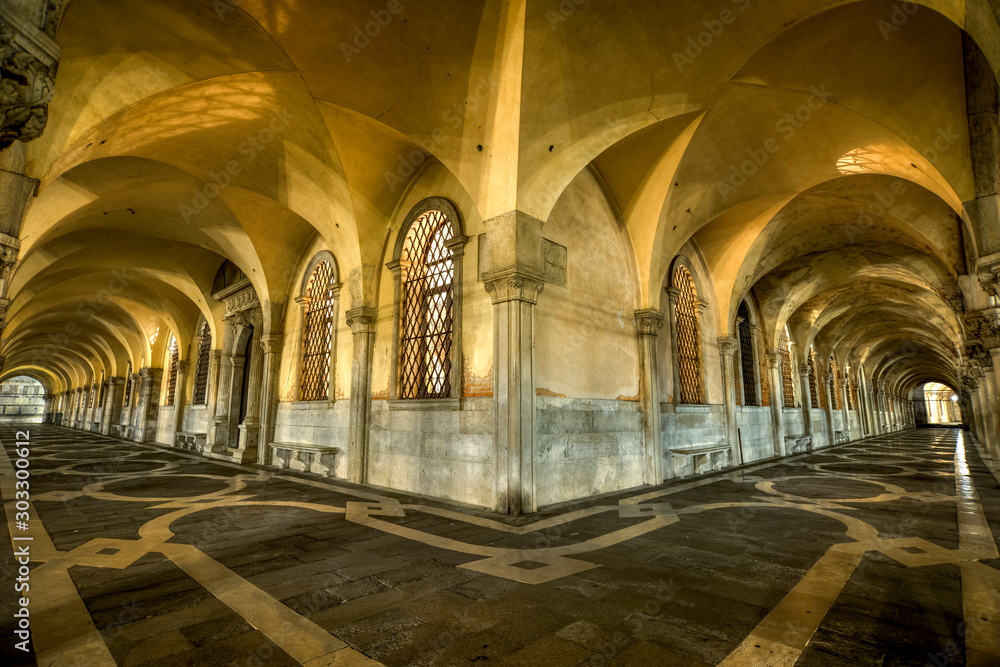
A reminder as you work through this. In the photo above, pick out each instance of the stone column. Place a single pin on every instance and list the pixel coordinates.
(728, 347)
(250, 428)
(844, 411)
(673, 296)
(77, 408)
(133, 400)
(647, 325)
(992, 410)
(148, 404)
(47, 410)
(112, 404)
(514, 293)
(271, 347)
(807, 422)
(219, 437)
(777, 403)
(211, 392)
(363, 322)
(180, 394)
(755, 338)
(831, 433)
(95, 409)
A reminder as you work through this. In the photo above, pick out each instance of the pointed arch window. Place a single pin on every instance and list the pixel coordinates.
(90, 396)
(689, 356)
(172, 376)
(787, 379)
(748, 364)
(813, 382)
(427, 308)
(319, 314)
(128, 385)
(201, 375)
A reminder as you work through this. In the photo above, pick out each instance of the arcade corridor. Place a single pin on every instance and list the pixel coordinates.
(879, 552)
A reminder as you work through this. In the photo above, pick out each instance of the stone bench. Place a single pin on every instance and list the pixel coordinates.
(317, 459)
(704, 457)
(841, 437)
(194, 442)
(122, 431)
(796, 444)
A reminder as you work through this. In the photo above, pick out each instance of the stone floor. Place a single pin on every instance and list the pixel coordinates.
(881, 552)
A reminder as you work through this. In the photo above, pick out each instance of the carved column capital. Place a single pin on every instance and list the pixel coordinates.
(648, 322)
(271, 343)
(183, 366)
(728, 346)
(28, 59)
(362, 320)
(772, 360)
(673, 295)
(514, 285)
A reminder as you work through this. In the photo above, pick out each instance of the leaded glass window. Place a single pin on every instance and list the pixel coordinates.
(317, 335)
(787, 379)
(201, 375)
(688, 337)
(172, 376)
(813, 381)
(128, 385)
(427, 308)
(748, 366)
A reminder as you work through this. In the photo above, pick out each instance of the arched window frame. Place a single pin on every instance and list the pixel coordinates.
(457, 247)
(203, 345)
(674, 293)
(101, 387)
(815, 399)
(747, 333)
(787, 367)
(173, 350)
(128, 386)
(304, 302)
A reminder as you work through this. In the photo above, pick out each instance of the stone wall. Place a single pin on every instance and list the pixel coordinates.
(21, 401)
(315, 423)
(755, 431)
(585, 447)
(443, 452)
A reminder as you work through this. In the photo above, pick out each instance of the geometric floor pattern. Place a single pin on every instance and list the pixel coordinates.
(879, 552)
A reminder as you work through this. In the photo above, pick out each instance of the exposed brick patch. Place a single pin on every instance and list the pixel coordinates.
(630, 399)
(548, 392)
(382, 395)
(477, 386)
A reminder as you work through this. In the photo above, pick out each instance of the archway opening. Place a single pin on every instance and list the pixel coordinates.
(936, 404)
(22, 399)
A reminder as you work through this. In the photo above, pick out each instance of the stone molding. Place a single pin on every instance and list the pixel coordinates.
(362, 320)
(514, 285)
(648, 322)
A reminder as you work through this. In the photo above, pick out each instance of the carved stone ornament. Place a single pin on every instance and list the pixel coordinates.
(362, 320)
(241, 318)
(648, 322)
(26, 86)
(242, 300)
(728, 346)
(989, 279)
(513, 285)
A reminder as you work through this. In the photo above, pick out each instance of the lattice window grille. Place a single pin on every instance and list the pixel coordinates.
(813, 380)
(128, 386)
(317, 336)
(787, 378)
(201, 376)
(100, 399)
(427, 308)
(688, 337)
(172, 377)
(747, 365)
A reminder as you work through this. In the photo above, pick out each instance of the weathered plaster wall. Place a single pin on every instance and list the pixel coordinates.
(591, 318)
(444, 453)
(586, 447)
(755, 434)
